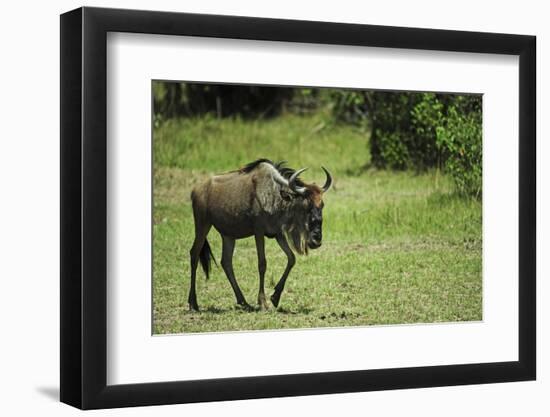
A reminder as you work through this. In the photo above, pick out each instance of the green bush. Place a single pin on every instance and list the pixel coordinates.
(407, 118)
(401, 125)
(460, 136)
(452, 124)
(427, 115)
(420, 131)
(351, 106)
(392, 141)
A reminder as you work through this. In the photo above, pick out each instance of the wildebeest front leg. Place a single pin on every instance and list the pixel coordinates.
(227, 265)
(291, 260)
(262, 266)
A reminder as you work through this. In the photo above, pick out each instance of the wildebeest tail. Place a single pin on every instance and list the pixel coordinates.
(205, 257)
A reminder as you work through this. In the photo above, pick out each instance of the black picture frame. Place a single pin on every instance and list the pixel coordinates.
(84, 207)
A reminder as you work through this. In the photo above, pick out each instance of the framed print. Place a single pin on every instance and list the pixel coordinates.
(256, 208)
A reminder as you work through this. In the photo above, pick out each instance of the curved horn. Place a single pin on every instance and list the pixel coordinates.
(328, 182)
(292, 182)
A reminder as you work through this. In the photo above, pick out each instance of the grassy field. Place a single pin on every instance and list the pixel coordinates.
(398, 247)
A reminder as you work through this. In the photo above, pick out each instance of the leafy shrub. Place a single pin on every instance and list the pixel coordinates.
(460, 136)
(390, 137)
(351, 106)
(426, 116)
(420, 131)
(454, 124)
(402, 136)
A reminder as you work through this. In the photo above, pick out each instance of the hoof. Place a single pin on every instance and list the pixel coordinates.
(193, 307)
(245, 306)
(262, 304)
(275, 299)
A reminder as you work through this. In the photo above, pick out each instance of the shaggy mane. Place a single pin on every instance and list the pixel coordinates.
(286, 172)
(295, 230)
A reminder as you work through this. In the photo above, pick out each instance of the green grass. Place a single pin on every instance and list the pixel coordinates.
(398, 247)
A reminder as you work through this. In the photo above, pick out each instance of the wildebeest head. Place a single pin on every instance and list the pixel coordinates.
(305, 227)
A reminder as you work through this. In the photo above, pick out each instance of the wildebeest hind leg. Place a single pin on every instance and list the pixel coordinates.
(262, 266)
(227, 265)
(291, 260)
(201, 231)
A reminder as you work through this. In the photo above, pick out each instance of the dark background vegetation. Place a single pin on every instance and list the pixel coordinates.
(408, 130)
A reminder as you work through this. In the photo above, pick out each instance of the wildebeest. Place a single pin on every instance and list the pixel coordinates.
(261, 199)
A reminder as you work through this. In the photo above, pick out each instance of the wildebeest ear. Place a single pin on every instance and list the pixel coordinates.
(286, 196)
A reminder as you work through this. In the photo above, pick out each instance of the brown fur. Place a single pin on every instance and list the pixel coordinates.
(246, 202)
(251, 202)
(315, 194)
